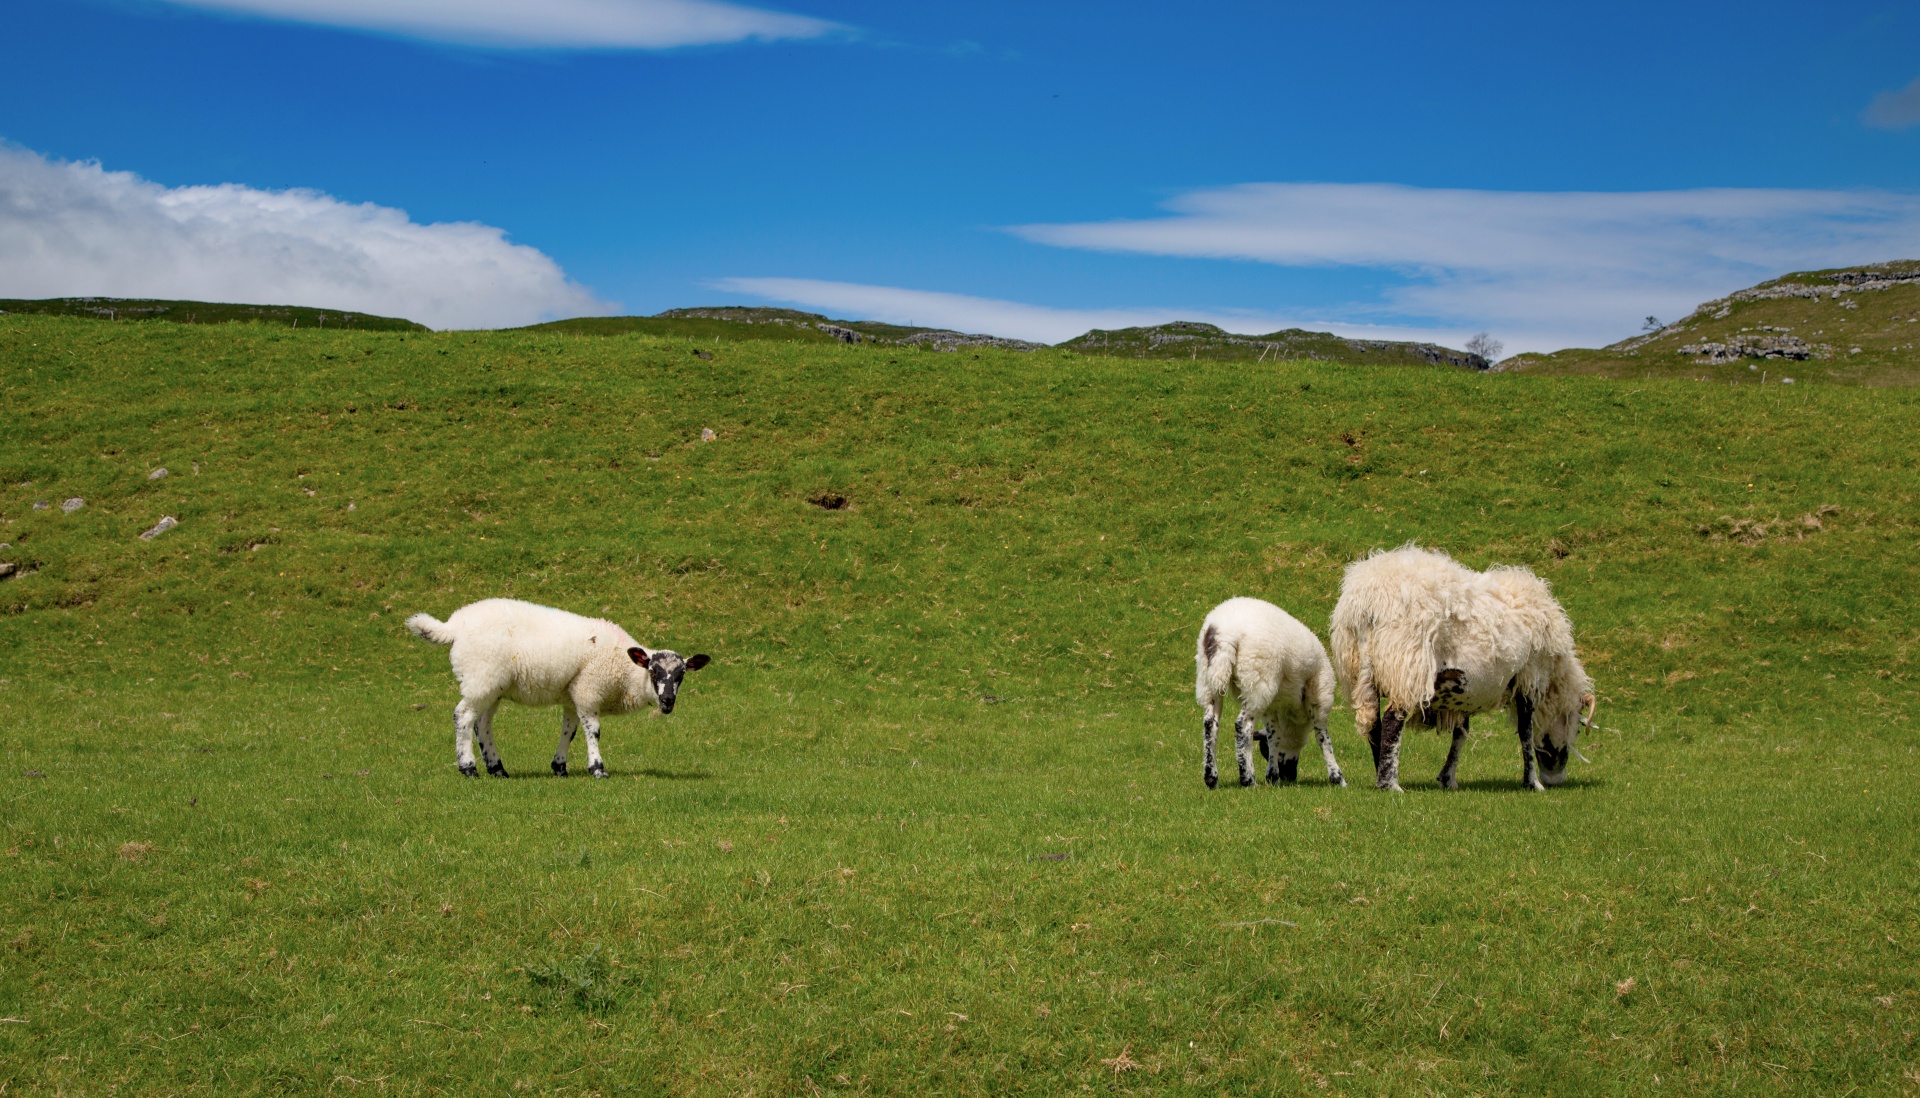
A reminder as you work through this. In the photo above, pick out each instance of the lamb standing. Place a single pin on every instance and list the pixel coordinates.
(1420, 638)
(539, 656)
(1279, 671)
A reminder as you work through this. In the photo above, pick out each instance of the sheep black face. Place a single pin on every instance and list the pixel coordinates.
(1552, 761)
(666, 669)
(1553, 749)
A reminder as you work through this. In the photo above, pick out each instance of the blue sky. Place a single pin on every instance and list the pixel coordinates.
(1548, 172)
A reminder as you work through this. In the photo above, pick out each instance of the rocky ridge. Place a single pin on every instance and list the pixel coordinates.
(852, 331)
(1191, 338)
(1859, 325)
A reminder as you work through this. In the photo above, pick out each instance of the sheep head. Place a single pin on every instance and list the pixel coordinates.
(664, 670)
(1561, 719)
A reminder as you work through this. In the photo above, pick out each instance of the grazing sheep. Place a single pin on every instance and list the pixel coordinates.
(1279, 671)
(1432, 642)
(539, 656)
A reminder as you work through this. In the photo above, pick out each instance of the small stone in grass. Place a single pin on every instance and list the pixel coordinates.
(707, 435)
(72, 505)
(158, 474)
(167, 522)
(39, 504)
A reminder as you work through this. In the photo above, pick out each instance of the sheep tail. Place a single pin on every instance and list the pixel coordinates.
(1214, 660)
(429, 628)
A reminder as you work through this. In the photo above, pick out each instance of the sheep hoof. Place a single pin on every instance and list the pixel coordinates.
(469, 770)
(559, 769)
(1448, 781)
(1212, 780)
(1537, 787)
(597, 770)
(1246, 780)
(1337, 778)
(498, 770)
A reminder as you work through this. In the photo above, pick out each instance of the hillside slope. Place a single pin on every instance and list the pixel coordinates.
(1851, 325)
(1194, 341)
(719, 322)
(205, 312)
(932, 822)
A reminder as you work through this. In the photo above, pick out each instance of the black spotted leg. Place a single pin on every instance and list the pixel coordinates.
(1448, 777)
(483, 727)
(1243, 746)
(569, 721)
(1209, 731)
(1386, 768)
(1523, 722)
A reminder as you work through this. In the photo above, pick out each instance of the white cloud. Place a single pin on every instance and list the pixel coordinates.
(75, 229)
(542, 24)
(1540, 269)
(1037, 323)
(1895, 110)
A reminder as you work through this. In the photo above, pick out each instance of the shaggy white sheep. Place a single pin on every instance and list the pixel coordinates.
(539, 656)
(1279, 672)
(1418, 637)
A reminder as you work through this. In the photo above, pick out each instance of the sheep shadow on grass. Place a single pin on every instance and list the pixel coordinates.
(1500, 785)
(674, 776)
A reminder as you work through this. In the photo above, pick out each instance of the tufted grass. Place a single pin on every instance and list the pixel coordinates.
(933, 821)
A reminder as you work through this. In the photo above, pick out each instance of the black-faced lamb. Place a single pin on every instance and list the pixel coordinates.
(1419, 638)
(1279, 672)
(539, 656)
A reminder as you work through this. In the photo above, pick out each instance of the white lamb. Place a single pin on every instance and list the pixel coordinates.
(539, 656)
(1419, 638)
(1279, 672)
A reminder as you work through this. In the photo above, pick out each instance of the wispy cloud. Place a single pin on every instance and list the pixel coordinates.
(1018, 320)
(76, 229)
(1538, 268)
(542, 24)
(1894, 110)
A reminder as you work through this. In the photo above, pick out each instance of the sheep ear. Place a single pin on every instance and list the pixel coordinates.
(638, 655)
(697, 662)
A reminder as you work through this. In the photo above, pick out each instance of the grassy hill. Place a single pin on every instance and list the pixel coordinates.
(204, 312)
(1194, 341)
(722, 322)
(933, 821)
(1854, 325)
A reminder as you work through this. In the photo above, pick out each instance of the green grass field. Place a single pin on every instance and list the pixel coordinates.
(933, 821)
